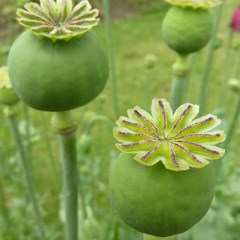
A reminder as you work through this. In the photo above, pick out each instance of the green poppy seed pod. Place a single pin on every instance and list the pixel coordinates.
(187, 30)
(158, 201)
(58, 63)
(7, 95)
(163, 183)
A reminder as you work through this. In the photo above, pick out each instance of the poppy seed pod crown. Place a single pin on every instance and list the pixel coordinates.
(187, 26)
(58, 19)
(173, 138)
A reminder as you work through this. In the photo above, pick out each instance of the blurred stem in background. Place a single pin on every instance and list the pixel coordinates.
(83, 149)
(150, 62)
(233, 124)
(209, 62)
(95, 119)
(28, 134)
(48, 144)
(3, 208)
(234, 85)
(226, 69)
(111, 54)
(10, 114)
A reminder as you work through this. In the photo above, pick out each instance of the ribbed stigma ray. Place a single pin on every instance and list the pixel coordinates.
(199, 146)
(141, 127)
(185, 150)
(180, 119)
(129, 134)
(145, 121)
(196, 124)
(173, 156)
(164, 118)
(149, 153)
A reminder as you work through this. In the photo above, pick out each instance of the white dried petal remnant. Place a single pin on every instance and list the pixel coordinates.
(58, 20)
(176, 139)
(203, 4)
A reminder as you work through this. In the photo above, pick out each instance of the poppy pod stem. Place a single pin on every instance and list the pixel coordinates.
(180, 74)
(64, 124)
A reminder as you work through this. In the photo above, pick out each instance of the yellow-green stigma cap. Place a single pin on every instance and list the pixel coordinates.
(202, 4)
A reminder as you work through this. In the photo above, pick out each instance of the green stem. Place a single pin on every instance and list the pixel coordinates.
(227, 66)
(82, 196)
(192, 64)
(233, 125)
(209, 62)
(9, 112)
(27, 129)
(108, 27)
(69, 167)
(150, 237)
(65, 125)
(180, 74)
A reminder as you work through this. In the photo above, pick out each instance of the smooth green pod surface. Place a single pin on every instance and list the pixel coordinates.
(157, 201)
(187, 30)
(57, 76)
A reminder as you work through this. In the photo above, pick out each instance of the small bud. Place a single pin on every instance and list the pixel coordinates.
(7, 95)
(236, 45)
(234, 85)
(150, 61)
(85, 143)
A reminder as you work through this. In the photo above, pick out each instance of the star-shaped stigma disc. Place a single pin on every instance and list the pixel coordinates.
(59, 19)
(176, 139)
